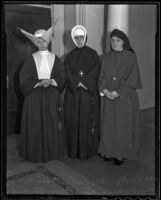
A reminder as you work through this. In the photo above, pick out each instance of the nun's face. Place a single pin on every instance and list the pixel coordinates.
(116, 43)
(42, 45)
(79, 39)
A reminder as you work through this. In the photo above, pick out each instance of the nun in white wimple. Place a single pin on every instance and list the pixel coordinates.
(42, 80)
(81, 100)
(79, 35)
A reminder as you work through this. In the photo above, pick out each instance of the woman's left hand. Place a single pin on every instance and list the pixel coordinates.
(114, 94)
(46, 82)
(108, 94)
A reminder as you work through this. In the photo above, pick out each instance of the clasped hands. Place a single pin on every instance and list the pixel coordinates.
(81, 85)
(110, 95)
(46, 82)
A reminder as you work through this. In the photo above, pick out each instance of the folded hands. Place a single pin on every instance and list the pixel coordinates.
(110, 95)
(47, 82)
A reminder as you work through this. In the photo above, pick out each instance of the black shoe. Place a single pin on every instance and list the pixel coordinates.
(118, 162)
(108, 159)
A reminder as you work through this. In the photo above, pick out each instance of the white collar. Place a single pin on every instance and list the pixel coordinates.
(43, 52)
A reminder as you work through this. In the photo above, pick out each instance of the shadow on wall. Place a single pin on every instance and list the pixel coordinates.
(106, 35)
(23, 47)
(105, 44)
(68, 43)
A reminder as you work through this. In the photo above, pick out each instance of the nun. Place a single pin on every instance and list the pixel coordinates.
(42, 80)
(118, 81)
(81, 99)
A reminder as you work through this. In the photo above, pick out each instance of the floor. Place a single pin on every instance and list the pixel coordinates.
(84, 177)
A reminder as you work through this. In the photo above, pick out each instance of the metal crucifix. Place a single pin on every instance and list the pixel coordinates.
(81, 73)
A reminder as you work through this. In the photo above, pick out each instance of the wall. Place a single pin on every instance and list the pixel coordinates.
(57, 44)
(69, 22)
(142, 30)
(94, 23)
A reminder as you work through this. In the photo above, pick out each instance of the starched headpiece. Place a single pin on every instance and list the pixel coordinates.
(45, 35)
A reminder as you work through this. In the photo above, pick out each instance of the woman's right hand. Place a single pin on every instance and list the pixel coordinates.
(45, 82)
(108, 94)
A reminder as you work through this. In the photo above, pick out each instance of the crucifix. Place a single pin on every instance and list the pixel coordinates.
(81, 73)
(92, 131)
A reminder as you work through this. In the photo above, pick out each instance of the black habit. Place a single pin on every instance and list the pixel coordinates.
(81, 106)
(42, 136)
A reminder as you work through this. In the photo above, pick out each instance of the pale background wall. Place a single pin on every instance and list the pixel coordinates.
(142, 30)
(94, 23)
(69, 22)
(57, 12)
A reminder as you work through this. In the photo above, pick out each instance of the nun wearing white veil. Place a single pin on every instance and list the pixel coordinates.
(42, 80)
(81, 99)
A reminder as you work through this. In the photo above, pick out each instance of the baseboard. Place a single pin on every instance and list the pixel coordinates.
(147, 115)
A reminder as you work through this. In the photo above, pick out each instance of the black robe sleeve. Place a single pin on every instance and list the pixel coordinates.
(102, 79)
(59, 74)
(71, 79)
(131, 81)
(27, 76)
(90, 80)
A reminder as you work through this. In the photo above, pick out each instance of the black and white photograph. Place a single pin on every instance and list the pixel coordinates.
(80, 100)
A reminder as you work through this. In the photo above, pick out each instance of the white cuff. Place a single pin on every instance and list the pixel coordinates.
(53, 82)
(36, 85)
(101, 94)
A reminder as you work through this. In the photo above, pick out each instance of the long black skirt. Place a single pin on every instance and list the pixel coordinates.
(81, 115)
(42, 135)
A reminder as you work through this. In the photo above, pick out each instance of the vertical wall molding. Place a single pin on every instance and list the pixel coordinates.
(80, 14)
(57, 11)
(118, 17)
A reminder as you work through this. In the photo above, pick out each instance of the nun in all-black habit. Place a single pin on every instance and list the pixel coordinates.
(81, 100)
(42, 79)
(118, 81)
